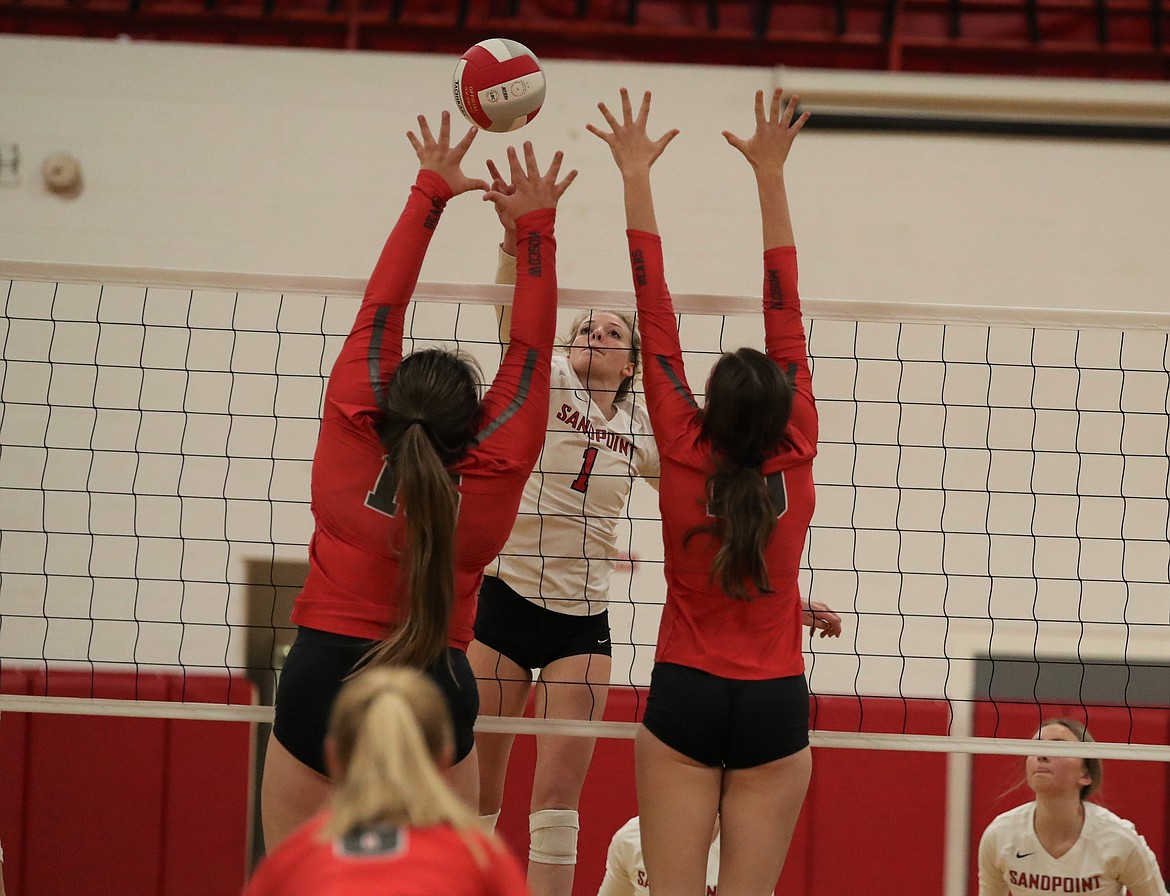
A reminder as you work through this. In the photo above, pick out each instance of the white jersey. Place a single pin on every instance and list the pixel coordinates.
(1110, 857)
(563, 545)
(625, 872)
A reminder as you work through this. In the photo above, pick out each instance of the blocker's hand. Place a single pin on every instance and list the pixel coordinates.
(531, 189)
(439, 156)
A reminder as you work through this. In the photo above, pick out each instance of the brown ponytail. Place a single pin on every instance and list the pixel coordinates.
(430, 413)
(749, 402)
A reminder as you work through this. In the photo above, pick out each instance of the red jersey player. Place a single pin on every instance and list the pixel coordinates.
(726, 724)
(416, 481)
(394, 826)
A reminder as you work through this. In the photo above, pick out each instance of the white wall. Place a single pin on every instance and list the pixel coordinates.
(294, 162)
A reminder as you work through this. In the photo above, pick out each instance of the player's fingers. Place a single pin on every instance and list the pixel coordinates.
(463, 145)
(445, 130)
(644, 109)
(627, 109)
(415, 143)
(564, 185)
(555, 166)
(734, 141)
(498, 182)
(759, 107)
(775, 111)
(530, 163)
(424, 130)
(608, 116)
(794, 129)
(514, 164)
(598, 132)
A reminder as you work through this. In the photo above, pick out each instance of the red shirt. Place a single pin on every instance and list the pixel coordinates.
(353, 583)
(701, 626)
(432, 861)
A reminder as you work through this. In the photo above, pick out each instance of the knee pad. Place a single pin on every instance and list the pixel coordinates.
(553, 836)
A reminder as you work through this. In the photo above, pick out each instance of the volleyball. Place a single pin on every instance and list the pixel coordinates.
(499, 85)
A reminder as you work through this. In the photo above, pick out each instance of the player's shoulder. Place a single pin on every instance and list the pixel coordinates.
(1010, 821)
(561, 372)
(1105, 822)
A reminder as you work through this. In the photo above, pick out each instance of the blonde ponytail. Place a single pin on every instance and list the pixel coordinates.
(388, 729)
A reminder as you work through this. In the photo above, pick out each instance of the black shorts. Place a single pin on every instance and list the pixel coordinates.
(726, 721)
(313, 673)
(533, 636)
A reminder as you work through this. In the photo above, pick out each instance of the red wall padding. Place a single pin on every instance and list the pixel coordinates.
(137, 807)
(145, 807)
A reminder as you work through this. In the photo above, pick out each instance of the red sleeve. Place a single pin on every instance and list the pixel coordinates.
(784, 336)
(517, 402)
(374, 346)
(669, 400)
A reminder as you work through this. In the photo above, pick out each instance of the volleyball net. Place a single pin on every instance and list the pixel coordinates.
(992, 518)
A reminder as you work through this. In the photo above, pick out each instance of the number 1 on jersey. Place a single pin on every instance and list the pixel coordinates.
(581, 483)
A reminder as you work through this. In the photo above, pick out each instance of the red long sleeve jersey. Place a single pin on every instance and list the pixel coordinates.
(387, 861)
(353, 583)
(701, 626)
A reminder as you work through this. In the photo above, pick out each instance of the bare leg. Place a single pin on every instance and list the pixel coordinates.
(290, 794)
(575, 687)
(503, 691)
(678, 799)
(463, 777)
(758, 813)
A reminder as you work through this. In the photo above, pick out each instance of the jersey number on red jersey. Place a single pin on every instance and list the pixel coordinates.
(776, 485)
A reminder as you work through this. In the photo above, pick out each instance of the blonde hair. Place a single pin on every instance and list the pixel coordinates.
(388, 728)
(627, 385)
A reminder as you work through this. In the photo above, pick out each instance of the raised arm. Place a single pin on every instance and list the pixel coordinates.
(669, 399)
(506, 257)
(766, 151)
(529, 194)
(357, 377)
(634, 152)
(516, 405)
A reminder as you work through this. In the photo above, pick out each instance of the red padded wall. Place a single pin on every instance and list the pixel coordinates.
(137, 807)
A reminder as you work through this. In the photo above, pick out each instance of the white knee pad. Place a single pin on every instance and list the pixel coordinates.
(488, 822)
(553, 836)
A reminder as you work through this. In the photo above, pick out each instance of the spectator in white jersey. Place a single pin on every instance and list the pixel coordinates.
(625, 872)
(1061, 842)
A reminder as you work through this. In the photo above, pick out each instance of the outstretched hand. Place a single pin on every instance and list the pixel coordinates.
(767, 148)
(501, 185)
(632, 148)
(529, 189)
(439, 156)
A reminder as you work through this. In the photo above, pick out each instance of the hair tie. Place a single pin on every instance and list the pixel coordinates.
(419, 420)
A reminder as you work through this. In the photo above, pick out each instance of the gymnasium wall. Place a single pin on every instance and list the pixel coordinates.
(294, 162)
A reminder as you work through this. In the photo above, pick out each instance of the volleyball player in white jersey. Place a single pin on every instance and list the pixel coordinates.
(625, 872)
(542, 605)
(1060, 843)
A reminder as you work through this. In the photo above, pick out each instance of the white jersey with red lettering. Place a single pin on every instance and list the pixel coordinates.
(625, 872)
(562, 549)
(1108, 859)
